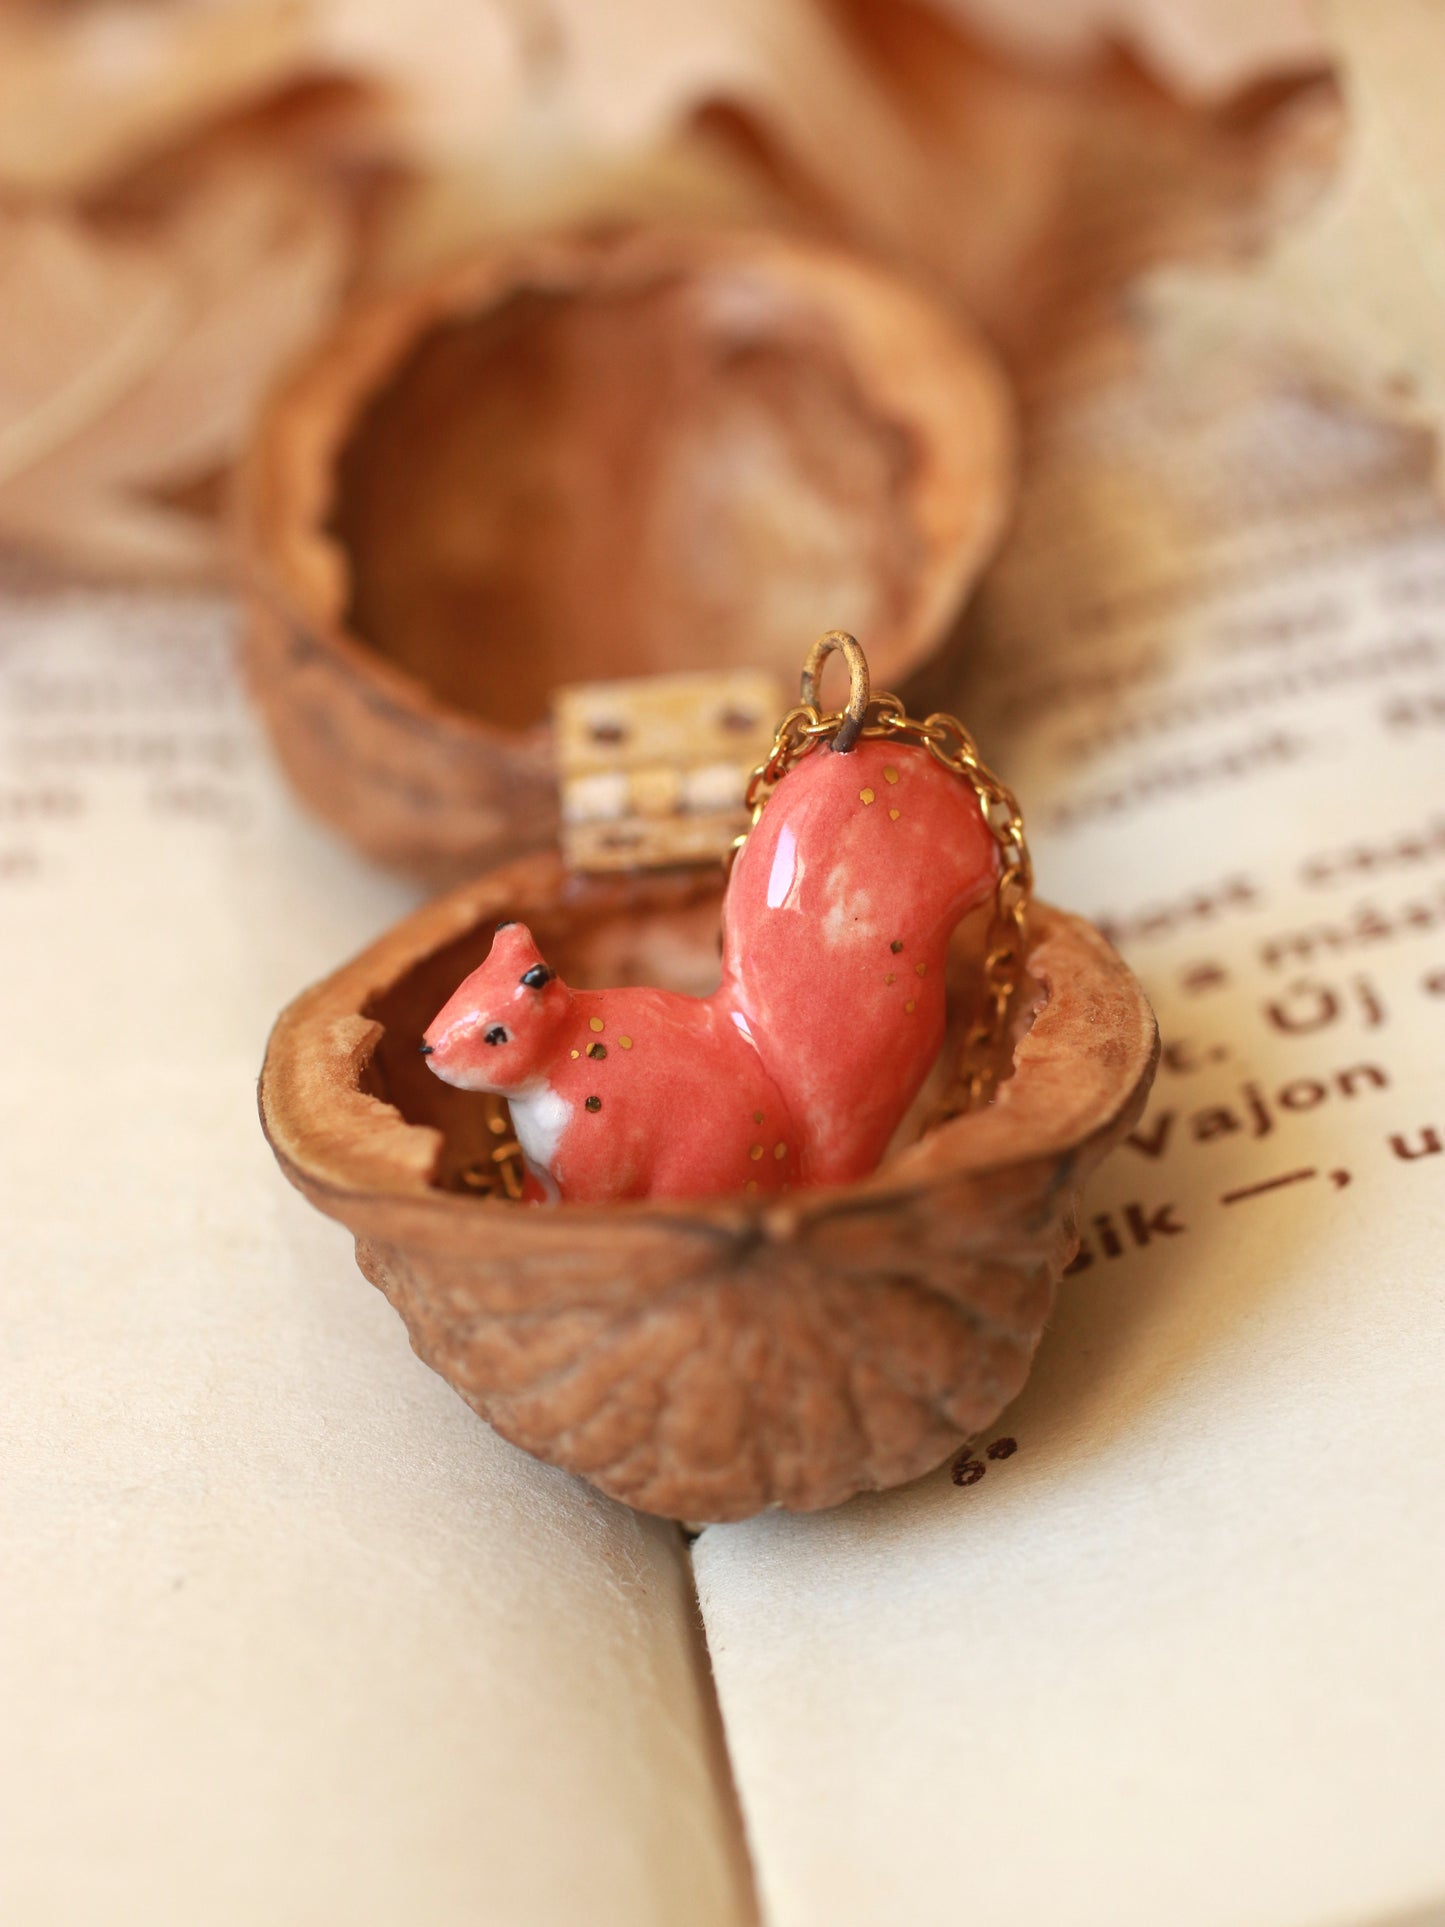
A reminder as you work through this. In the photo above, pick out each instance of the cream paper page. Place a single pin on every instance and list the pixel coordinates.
(286, 1634)
(1171, 1649)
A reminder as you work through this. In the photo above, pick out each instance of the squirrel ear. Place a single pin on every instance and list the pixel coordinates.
(514, 948)
(512, 943)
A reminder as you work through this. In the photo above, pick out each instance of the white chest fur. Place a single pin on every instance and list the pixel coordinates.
(539, 1117)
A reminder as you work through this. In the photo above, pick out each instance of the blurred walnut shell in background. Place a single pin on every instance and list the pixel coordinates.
(592, 456)
(706, 1360)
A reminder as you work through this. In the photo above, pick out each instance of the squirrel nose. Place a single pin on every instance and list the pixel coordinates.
(426, 1049)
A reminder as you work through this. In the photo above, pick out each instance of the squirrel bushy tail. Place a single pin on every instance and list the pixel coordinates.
(836, 928)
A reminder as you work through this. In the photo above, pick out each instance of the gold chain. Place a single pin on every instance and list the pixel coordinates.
(951, 746)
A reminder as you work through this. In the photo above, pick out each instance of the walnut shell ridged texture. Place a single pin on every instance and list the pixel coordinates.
(587, 456)
(709, 1360)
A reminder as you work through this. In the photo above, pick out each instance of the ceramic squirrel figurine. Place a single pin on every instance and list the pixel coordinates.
(799, 1066)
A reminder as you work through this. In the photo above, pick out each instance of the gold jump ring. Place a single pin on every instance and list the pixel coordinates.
(856, 710)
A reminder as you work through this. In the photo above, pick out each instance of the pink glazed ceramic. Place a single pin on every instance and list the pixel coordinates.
(799, 1066)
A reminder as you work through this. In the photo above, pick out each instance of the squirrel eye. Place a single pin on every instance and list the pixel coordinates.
(538, 977)
(496, 1035)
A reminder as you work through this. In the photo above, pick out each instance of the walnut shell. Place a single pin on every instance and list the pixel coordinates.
(707, 1360)
(590, 456)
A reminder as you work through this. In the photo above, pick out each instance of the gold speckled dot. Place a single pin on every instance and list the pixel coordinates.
(496, 1125)
(865, 796)
(889, 979)
(757, 1117)
(576, 1053)
(910, 1005)
(780, 1151)
(756, 1152)
(594, 1023)
(596, 1050)
(624, 1043)
(922, 969)
(893, 815)
(751, 1185)
(890, 775)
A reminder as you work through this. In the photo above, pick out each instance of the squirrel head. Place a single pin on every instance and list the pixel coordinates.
(502, 1026)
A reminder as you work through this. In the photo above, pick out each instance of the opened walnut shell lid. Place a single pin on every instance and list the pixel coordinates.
(707, 1360)
(584, 457)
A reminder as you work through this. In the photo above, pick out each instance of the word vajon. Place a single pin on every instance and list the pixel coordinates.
(1253, 1112)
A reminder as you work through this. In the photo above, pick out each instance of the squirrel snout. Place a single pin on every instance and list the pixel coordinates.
(426, 1049)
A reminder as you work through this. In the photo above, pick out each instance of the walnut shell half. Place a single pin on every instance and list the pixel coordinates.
(583, 457)
(707, 1360)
